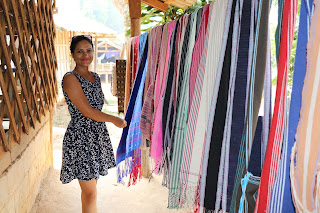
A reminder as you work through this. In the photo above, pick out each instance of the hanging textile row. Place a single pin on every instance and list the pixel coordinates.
(195, 88)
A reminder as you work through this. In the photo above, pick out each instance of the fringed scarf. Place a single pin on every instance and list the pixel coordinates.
(157, 137)
(182, 109)
(128, 149)
(272, 158)
(147, 108)
(199, 55)
(282, 195)
(168, 101)
(242, 47)
(255, 89)
(305, 156)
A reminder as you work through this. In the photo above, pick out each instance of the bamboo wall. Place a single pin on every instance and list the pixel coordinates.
(61, 44)
(27, 67)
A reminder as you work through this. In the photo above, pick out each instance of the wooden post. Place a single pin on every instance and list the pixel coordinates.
(73, 64)
(95, 53)
(135, 15)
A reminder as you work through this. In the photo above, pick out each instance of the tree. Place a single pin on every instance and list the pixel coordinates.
(151, 17)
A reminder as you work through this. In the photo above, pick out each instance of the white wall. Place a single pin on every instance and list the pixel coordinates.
(20, 181)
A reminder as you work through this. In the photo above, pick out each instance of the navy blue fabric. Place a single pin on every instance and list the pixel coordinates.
(255, 158)
(167, 110)
(278, 30)
(239, 101)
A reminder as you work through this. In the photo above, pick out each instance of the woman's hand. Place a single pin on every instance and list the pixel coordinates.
(119, 122)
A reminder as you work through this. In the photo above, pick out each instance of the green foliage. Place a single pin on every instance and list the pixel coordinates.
(151, 17)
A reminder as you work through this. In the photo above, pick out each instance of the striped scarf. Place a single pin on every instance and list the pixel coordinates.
(255, 89)
(127, 90)
(198, 58)
(272, 158)
(182, 108)
(157, 137)
(305, 156)
(128, 149)
(147, 108)
(169, 107)
(281, 200)
(219, 96)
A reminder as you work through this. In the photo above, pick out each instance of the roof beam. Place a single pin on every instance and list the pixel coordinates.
(157, 4)
(169, 1)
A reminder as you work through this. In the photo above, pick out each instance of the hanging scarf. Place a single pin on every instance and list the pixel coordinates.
(168, 89)
(211, 163)
(169, 96)
(147, 108)
(271, 161)
(267, 105)
(254, 99)
(128, 149)
(188, 192)
(127, 90)
(182, 108)
(157, 138)
(282, 201)
(236, 97)
(136, 57)
(305, 156)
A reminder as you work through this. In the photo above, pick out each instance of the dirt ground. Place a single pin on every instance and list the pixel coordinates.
(54, 197)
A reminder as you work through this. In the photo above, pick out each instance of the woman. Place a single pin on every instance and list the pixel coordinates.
(87, 150)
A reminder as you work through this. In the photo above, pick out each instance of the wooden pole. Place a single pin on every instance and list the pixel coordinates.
(95, 53)
(135, 15)
(135, 27)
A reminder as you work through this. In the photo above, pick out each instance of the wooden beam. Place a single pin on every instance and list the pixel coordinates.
(156, 4)
(168, 2)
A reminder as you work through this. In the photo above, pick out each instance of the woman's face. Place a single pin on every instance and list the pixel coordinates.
(83, 53)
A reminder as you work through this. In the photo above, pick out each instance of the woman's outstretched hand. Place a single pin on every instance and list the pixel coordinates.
(119, 122)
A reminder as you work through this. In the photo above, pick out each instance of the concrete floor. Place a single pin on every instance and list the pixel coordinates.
(54, 197)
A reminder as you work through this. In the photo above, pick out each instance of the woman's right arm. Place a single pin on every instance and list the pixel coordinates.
(74, 91)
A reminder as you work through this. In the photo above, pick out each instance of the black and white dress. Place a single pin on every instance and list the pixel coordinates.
(87, 151)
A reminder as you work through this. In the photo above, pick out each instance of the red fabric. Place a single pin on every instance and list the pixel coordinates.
(135, 173)
(135, 59)
(197, 52)
(272, 158)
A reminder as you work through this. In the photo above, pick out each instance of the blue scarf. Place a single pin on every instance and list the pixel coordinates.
(131, 136)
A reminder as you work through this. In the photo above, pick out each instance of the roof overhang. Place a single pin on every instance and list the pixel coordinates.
(162, 5)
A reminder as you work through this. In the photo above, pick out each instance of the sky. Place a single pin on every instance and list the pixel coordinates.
(102, 11)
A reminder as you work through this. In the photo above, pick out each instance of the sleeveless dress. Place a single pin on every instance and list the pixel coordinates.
(87, 151)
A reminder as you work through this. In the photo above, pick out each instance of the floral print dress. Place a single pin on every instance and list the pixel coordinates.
(87, 151)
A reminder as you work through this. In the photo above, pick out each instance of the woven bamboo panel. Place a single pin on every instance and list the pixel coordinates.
(61, 44)
(121, 76)
(28, 84)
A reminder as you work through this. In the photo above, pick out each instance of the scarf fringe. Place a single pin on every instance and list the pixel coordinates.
(184, 197)
(135, 175)
(123, 169)
(213, 211)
